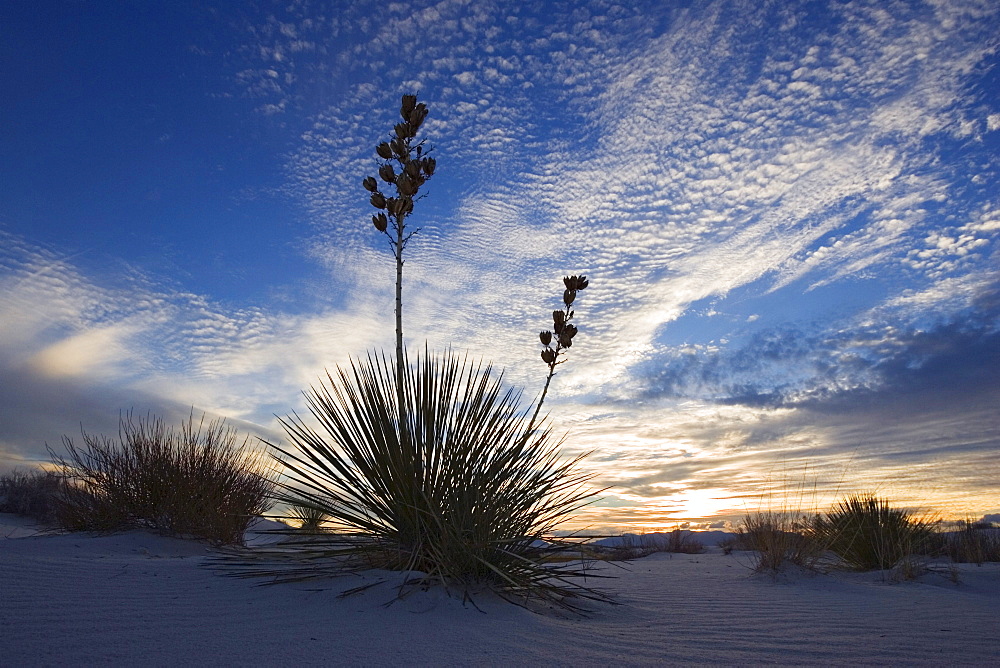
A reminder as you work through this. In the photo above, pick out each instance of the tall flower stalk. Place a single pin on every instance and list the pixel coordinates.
(404, 167)
(564, 330)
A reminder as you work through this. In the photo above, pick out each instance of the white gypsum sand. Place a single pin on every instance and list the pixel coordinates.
(141, 599)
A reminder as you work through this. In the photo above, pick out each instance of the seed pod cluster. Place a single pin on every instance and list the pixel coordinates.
(414, 167)
(562, 328)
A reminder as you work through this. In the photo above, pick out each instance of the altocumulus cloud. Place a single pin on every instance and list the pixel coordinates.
(76, 352)
(786, 210)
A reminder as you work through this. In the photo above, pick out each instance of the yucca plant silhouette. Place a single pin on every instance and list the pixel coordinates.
(867, 533)
(308, 518)
(432, 468)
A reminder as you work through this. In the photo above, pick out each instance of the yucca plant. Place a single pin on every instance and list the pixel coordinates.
(867, 533)
(474, 503)
(433, 469)
(308, 517)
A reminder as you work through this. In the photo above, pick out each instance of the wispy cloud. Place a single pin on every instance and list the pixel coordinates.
(787, 212)
(76, 351)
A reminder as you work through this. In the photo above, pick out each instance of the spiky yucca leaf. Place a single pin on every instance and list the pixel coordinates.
(461, 492)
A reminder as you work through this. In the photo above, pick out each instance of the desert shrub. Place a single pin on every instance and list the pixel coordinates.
(34, 494)
(625, 547)
(631, 546)
(777, 539)
(198, 481)
(460, 492)
(975, 543)
(679, 541)
(85, 507)
(308, 517)
(866, 533)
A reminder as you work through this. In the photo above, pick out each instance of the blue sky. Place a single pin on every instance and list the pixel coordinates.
(788, 212)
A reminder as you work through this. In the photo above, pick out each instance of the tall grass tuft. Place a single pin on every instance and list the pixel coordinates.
(777, 538)
(866, 533)
(629, 546)
(462, 493)
(198, 481)
(975, 543)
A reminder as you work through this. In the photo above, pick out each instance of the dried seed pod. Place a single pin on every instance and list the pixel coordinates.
(402, 130)
(378, 201)
(558, 320)
(429, 164)
(545, 337)
(413, 169)
(406, 186)
(569, 296)
(418, 115)
(398, 147)
(549, 356)
(565, 341)
(408, 104)
(407, 206)
(569, 331)
(370, 184)
(387, 174)
(384, 150)
(380, 222)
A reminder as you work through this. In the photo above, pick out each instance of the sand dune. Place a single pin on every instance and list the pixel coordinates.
(137, 598)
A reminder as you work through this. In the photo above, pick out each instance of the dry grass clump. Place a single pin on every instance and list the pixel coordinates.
(683, 542)
(34, 494)
(866, 533)
(862, 532)
(632, 546)
(778, 539)
(975, 543)
(461, 493)
(197, 481)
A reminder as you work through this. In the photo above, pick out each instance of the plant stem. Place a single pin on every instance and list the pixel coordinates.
(541, 399)
(399, 310)
(567, 317)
